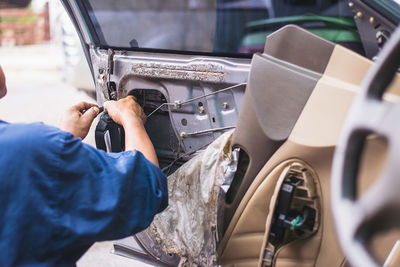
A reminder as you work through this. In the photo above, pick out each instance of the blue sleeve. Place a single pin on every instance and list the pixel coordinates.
(58, 195)
(105, 196)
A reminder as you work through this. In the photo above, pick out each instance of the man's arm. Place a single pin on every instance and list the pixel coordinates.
(69, 195)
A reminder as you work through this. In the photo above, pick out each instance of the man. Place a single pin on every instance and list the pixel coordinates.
(58, 195)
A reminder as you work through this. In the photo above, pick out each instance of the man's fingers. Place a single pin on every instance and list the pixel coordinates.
(82, 106)
(131, 96)
(89, 115)
(107, 104)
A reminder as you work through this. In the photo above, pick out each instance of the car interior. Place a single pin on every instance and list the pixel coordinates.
(314, 110)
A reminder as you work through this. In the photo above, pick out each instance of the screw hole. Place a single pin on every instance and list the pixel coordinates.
(213, 119)
(200, 104)
(184, 122)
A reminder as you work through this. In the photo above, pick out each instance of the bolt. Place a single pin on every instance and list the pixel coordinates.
(183, 135)
(177, 104)
(359, 15)
(372, 20)
(382, 37)
(201, 110)
(113, 95)
(380, 40)
(225, 105)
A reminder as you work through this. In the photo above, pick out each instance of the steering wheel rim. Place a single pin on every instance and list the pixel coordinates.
(357, 220)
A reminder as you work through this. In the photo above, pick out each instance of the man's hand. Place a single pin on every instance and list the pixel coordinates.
(130, 115)
(125, 111)
(75, 122)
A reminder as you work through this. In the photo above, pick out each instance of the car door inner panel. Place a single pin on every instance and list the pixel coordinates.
(311, 142)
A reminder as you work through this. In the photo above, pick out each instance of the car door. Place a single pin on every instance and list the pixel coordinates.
(169, 61)
(189, 63)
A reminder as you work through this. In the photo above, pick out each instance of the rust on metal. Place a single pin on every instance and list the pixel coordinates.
(194, 72)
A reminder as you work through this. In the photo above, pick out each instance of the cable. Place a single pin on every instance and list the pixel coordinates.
(207, 131)
(294, 222)
(179, 144)
(299, 220)
(213, 93)
(179, 103)
(183, 135)
(163, 104)
(180, 157)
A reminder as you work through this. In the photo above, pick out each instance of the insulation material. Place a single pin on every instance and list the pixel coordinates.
(188, 227)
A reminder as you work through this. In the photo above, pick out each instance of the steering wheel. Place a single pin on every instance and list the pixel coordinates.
(357, 220)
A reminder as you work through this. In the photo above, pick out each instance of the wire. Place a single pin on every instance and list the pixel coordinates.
(294, 222)
(168, 167)
(179, 103)
(299, 220)
(163, 104)
(213, 93)
(208, 131)
(179, 144)
(183, 135)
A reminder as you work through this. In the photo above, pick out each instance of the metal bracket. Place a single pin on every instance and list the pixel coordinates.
(111, 86)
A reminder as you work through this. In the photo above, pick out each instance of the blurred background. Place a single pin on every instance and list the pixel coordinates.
(46, 72)
(43, 61)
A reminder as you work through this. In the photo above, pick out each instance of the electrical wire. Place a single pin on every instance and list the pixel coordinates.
(183, 135)
(179, 145)
(168, 167)
(295, 222)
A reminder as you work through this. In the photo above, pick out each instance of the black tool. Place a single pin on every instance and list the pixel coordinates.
(109, 135)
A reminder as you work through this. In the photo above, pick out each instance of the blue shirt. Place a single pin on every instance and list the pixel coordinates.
(58, 195)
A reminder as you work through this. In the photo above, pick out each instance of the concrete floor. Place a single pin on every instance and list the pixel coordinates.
(37, 92)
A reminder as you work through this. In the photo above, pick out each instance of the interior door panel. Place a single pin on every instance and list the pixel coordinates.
(280, 82)
(312, 141)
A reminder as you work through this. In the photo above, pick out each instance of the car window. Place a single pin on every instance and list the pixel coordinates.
(215, 26)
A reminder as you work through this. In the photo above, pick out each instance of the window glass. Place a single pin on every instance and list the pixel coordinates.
(215, 26)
